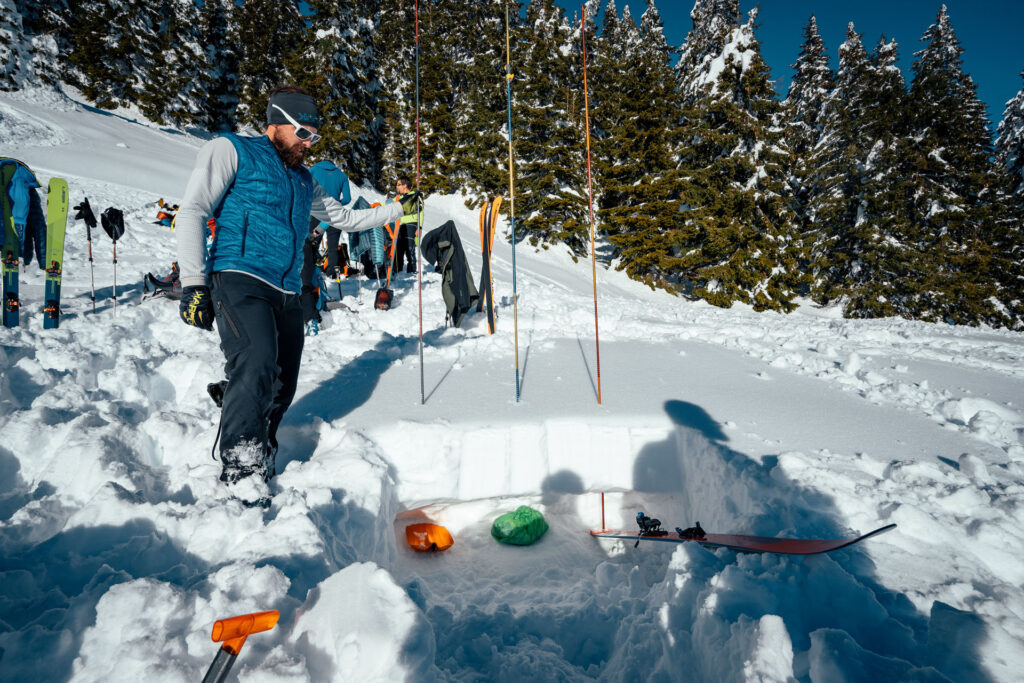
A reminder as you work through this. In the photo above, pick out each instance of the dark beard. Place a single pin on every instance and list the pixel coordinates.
(291, 156)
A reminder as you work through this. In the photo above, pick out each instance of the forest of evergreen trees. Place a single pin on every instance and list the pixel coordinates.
(858, 187)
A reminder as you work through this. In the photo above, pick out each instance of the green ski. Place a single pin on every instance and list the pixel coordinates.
(11, 248)
(56, 223)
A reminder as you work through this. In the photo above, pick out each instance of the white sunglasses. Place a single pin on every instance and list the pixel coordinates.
(301, 132)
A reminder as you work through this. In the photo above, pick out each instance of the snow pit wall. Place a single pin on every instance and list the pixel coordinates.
(681, 472)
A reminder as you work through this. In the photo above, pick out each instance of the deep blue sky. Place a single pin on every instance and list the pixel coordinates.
(991, 33)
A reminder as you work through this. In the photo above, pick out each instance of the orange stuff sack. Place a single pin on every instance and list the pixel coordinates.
(428, 537)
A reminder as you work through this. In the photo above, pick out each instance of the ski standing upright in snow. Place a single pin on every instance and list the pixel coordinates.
(56, 225)
(488, 221)
(12, 249)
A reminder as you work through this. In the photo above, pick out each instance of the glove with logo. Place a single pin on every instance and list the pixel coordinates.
(196, 307)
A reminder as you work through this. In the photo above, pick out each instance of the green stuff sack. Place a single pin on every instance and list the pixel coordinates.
(522, 527)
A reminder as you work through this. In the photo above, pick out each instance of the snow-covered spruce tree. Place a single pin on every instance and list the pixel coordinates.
(641, 201)
(813, 80)
(734, 237)
(1009, 263)
(394, 44)
(481, 126)
(448, 29)
(453, 32)
(954, 187)
(335, 65)
(101, 39)
(834, 182)
(551, 174)
(802, 120)
(216, 76)
(1010, 142)
(265, 34)
(873, 259)
(165, 81)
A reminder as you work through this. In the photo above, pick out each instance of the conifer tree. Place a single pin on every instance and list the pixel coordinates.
(1010, 142)
(1008, 265)
(165, 80)
(812, 82)
(735, 234)
(394, 45)
(802, 119)
(551, 181)
(954, 186)
(481, 145)
(641, 200)
(265, 34)
(216, 76)
(835, 196)
(335, 66)
(873, 257)
(460, 87)
(99, 53)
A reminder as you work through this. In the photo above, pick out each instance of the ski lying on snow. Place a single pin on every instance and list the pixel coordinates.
(748, 544)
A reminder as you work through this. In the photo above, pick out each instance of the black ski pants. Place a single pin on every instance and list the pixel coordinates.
(406, 247)
(261, 334)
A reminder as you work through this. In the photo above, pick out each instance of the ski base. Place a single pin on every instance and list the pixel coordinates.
(749, 544)
(488, 222)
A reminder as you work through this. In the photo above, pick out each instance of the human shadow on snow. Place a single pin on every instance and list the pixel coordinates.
(352, 386)
(835, 609)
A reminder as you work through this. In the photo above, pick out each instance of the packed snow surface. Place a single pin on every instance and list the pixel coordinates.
(119, 547)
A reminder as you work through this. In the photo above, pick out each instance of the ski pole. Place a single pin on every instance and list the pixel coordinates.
(590, 200)
(85, 213)
(419, 204)
(113, 223)
(512, 198)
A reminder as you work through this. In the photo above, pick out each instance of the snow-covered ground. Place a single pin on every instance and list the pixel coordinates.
(119, 547)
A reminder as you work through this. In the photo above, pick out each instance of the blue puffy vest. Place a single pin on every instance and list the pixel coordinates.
(264, 216)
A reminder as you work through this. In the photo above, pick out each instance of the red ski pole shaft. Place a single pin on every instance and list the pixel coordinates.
(590, 200)
(419, 203)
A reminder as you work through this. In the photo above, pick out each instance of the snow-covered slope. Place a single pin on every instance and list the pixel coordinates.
(120, 548)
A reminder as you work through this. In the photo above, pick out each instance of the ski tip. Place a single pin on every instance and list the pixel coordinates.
(879, 530)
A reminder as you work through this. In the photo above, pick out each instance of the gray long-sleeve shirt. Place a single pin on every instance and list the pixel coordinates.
(214, 173)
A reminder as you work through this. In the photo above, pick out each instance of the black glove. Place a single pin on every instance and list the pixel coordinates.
(85, 213)
(196, 307)
(113, 222)
(412, 203)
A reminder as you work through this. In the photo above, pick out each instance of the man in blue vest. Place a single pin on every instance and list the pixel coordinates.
(261, 197)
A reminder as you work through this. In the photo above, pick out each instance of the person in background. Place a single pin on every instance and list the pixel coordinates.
(335, 184)
(261, 197)
(405, 242)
